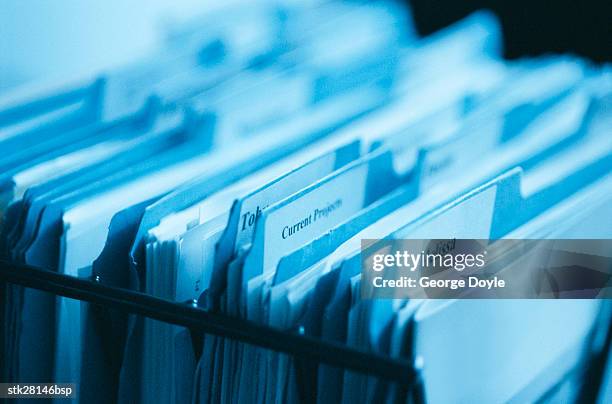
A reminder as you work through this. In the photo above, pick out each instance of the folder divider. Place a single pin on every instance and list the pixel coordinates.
(512, 207)
(22, 109)
(327, 243)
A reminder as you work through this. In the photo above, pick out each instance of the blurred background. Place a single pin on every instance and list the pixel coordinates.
(68, 38)
(532, 27)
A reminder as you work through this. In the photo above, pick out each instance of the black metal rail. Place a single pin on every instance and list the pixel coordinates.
(300, 346)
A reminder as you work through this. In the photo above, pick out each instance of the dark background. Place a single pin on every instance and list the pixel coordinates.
(532, 27)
